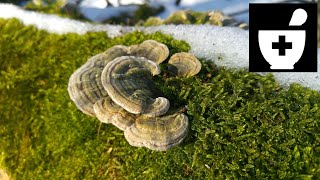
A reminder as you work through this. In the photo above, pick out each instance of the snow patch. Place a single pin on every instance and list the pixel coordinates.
(99, 15)
(55, 24)
(117, 3)
(99, 4)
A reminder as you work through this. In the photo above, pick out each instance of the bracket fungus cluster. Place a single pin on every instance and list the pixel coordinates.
(116, 86)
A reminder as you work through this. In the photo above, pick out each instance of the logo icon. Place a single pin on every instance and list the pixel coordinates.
(281, 48)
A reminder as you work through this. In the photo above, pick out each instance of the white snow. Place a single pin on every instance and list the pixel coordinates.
(207, 5)
(210, 42)
(99, 4)
(100, 10)
(117, 3)
(99, 15)
(53, 23)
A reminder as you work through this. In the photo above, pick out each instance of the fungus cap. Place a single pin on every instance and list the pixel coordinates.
(127, 80)
(151, 50)
(109, 112)
(158, 133)
(184, 64)
(85, 86)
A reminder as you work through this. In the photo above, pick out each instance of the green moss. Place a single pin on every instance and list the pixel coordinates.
(153, 21)
(243, 125)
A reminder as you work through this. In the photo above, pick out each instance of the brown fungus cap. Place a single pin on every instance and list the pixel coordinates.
(85, 86)
(109, 112)
(184, 64)
(158, 133)
(128, 81)
(115, 51)
(151, 50)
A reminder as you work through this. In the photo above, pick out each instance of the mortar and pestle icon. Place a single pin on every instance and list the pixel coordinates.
(283, 48)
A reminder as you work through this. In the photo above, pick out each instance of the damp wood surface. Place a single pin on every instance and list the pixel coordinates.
(242, 125)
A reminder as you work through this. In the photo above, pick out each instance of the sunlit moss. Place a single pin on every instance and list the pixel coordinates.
(243, 125)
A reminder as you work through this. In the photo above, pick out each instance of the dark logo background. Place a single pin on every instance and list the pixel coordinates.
(277, 17)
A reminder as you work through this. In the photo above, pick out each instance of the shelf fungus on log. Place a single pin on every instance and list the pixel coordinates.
(85, 86)
(151, 50)
(158, 133)
(109, 112)
(128, 81)
(184, 64)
